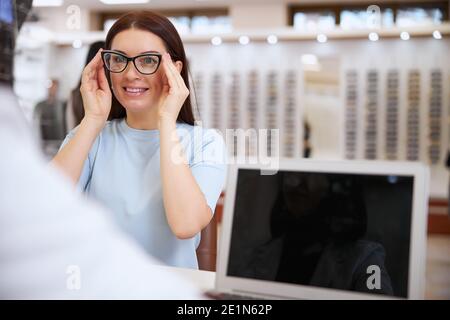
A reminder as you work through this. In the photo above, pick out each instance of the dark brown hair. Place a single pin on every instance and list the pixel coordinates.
(75, 95)
(163, 28)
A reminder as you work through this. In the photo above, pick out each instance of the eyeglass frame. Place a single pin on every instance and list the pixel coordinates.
(159, 55)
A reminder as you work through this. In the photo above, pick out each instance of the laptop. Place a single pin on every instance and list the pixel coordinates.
(324, 230)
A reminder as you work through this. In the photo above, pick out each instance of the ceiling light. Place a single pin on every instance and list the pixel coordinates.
(77, 44)
(437, 35)
(322, 38)
(373, 36)
(216, 41)
(272, 39)
(404, 35)
(244, 40)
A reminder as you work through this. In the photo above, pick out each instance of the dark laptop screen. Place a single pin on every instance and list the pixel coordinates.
(340, 231)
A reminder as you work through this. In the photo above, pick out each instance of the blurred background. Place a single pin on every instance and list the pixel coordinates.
(340, 79)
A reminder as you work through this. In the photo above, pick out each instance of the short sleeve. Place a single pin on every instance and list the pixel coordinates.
(88, 164)
(208, 165)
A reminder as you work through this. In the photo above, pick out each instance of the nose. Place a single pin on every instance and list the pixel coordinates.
(130, 72)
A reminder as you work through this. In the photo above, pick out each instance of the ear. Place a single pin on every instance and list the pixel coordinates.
(179, 65)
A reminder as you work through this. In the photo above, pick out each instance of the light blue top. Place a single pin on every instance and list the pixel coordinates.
(123, 173)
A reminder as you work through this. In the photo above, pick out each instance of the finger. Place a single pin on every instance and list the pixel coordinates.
(87, 73)
(90, 71)
(93, 64)
(96, 60)
(89, 79)
(171, 78)
(169, 73)
(102, 81)
(175, 72)
(165, 93)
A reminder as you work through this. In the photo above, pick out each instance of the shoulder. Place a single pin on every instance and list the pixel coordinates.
(109, 130)
(369, 253)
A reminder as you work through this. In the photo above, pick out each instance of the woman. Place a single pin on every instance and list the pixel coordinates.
(160, 175)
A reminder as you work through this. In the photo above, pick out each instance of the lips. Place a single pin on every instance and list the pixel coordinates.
(134, 91)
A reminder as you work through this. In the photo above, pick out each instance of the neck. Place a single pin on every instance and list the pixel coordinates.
(142, 120)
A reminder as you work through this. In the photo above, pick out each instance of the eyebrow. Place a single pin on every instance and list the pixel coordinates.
(151, 51)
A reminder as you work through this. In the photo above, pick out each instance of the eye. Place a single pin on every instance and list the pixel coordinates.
(118, 59)
(149, 60)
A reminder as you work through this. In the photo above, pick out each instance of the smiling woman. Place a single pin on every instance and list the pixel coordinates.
(130, 36)
(132, 163)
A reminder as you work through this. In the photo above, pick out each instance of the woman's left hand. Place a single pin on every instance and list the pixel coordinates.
(174, 92)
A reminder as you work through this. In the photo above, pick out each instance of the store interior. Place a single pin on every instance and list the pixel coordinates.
(340, 80)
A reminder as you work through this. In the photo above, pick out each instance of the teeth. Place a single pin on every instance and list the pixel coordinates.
(135, 90)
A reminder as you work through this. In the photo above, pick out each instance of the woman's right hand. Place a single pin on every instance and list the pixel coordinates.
(95, 91)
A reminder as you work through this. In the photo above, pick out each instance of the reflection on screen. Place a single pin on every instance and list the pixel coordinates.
(340, 231)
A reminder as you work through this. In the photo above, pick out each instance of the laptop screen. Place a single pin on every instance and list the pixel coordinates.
(333, 230)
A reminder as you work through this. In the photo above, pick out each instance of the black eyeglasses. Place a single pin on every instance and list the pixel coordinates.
(117, 62)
